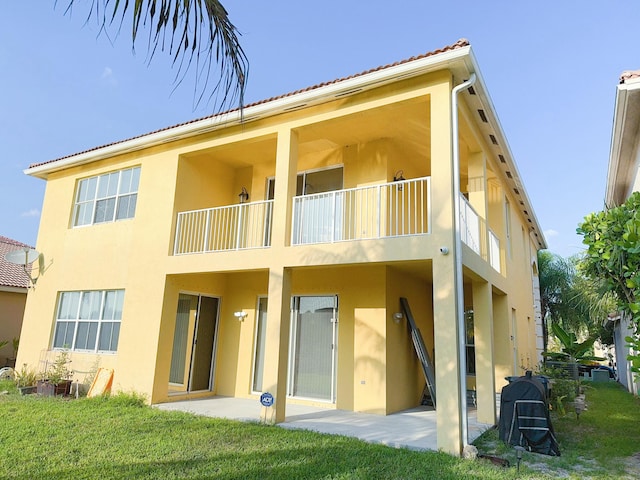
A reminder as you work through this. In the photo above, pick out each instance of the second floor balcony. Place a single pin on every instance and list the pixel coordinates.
(393, 209)
(377, 211)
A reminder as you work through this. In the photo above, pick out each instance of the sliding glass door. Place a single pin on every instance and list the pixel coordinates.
(313, 348)
(194, 340)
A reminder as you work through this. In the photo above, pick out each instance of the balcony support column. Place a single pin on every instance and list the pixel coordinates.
(285, 187)
(477, 183)
(483, 337)
(450, 412)
(277, 345)
(477, 191)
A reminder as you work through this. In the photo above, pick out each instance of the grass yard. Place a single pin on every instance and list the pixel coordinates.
(121, 438)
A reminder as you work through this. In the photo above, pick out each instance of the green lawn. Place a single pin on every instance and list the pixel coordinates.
(120, 438)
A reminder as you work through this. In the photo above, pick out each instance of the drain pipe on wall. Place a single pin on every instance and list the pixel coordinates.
(458, 284)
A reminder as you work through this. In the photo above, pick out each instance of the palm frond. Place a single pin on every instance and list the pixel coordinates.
(197, 34)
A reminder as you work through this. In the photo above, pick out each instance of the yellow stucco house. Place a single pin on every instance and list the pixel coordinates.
(268, 253)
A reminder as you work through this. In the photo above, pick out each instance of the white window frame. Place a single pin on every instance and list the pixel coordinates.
(89, 198)
(470, 343)
(293, 333)
(258, 353)
(74, 317)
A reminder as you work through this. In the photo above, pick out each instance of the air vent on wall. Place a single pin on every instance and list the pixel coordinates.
(350, 92)
(471, 91)
(501, 157)
(483, 117)
(493, 139)
(517, 191)
(508, 173)
(295, 107)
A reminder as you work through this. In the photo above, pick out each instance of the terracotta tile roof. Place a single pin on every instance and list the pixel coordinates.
(459, 44)
(628, 75)
(12, 275)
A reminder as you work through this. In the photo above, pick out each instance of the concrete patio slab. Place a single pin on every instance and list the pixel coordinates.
(414, 429)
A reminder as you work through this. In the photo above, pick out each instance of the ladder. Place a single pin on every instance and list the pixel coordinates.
(421, 351)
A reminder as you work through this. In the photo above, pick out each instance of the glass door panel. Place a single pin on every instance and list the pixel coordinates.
(313, 348)
(194, 339)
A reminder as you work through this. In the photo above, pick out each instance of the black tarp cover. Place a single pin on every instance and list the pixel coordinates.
(524, 416)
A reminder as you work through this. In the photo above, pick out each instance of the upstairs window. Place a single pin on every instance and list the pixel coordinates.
(106, 198)
(89, 321)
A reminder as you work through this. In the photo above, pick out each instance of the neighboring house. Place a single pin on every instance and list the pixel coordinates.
(622, 181)
(267, 250)
(14, 284)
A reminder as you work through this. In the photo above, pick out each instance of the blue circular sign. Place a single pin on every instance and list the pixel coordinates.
(266, 399)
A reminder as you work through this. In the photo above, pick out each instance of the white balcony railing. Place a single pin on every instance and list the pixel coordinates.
(469, 225)
(233, 227)
(494, 251)
(475, 234)
(377, 211)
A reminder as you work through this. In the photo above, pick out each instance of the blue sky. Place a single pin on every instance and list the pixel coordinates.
(551, 69)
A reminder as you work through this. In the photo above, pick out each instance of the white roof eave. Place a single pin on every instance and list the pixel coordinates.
(624, 133)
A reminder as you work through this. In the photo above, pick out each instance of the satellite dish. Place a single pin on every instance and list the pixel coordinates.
(24, 256)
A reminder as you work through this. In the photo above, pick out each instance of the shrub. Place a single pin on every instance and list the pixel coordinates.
(25, 377)
(563, 388)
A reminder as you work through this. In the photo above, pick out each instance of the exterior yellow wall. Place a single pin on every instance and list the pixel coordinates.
(128, 254)
(406, 379)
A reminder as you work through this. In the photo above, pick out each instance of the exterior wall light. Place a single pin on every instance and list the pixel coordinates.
(243, 195)
(241, 315)
(397, 177)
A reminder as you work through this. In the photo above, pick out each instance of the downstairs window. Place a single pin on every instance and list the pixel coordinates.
(89, 321)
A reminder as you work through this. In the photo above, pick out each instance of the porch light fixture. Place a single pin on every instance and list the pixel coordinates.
(397, 177)
(397, 317)
(241, 315)
(243, 195)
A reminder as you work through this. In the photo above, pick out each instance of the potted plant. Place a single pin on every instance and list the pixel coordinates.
(26, 380)
(57, 379)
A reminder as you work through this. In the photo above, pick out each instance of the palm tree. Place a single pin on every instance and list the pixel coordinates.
(569, 299)
(555, 277)
(197, 34)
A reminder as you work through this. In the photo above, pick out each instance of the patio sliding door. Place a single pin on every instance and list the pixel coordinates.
(194, 341)
(313, 348)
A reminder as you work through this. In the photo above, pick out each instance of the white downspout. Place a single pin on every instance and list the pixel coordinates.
(457, 252)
